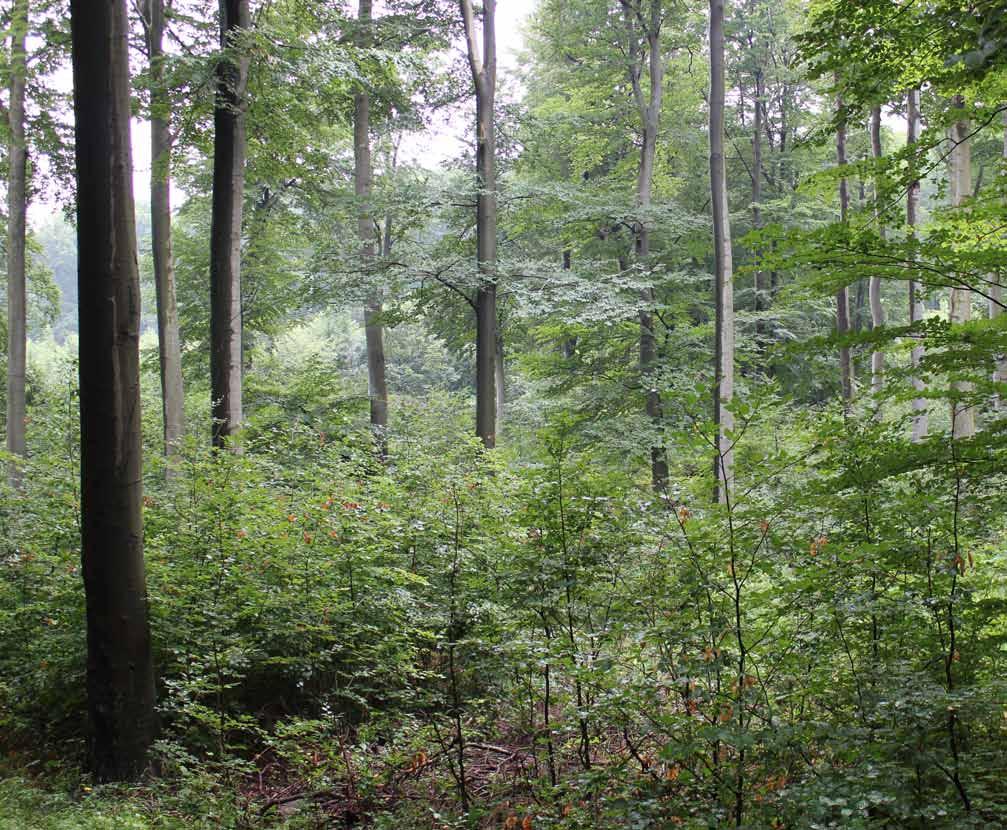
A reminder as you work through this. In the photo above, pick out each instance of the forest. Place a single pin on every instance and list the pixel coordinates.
(520, 414)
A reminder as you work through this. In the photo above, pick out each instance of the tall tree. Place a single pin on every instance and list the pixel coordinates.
(996, 303)
(373, 328)
(225, 223)
(843, 294)
(17, 210)
(916, 310)
(169, 342)
(723, 391)
(963, 424)
(483, 64)
(874, 285)
(643, 26)
(120, 676)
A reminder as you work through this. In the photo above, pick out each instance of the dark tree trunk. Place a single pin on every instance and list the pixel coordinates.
(225, 227)
(843, 294)
(168, 339)
(373, 329)
(120, 677)
(17, 209)
(484, 80)
(723, 392)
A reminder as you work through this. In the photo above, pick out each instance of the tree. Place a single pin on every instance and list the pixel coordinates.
(17, 211)
(842, 294)
(225, 224)
(484, 70)
(963, 423)
(363, 172)
(874, 285)
(643, 28)
(916, 310)
(723, 278)
(120, 676)
(168, 339)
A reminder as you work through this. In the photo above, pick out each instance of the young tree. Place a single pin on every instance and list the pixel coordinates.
(17, 210)
(484, 70)
(225, 224)
(169, 342)
(643, 27)
(374, 331)
(723, 391)
(120, 677)
(916, 310)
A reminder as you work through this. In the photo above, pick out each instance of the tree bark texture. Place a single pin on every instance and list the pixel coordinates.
(916, 309)
(377, 387)
(225, 227)
(723, 392)
(963, 423)
(483, 64)
(168, 338)
(120, 678)
(17, 210)
(847, 380)
(996, 309)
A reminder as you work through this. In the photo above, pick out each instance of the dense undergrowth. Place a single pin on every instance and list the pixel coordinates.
(530, 637)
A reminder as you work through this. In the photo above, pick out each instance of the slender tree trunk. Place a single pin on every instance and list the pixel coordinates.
(17, 210)
(501, 378)
(484, 72)
(761, 292)
(723, 392)
(843, 294)
(168, 339)
(649, 108)
(916, 310)
(225, 227)
(963, 424)
(874, 288)
(120, 677)
(996, 309)
(373, 328)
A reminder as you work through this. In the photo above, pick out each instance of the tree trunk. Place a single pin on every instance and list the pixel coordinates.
(373, 329)
(963, 424)
(649, 108)
(874, 287)
(843, 294)
(761, 292)
(484, 70)
(916, 310)
(225, 227)
(996, 309)
(17, 210)
(723, 392)
(168, 339)
(120, 677)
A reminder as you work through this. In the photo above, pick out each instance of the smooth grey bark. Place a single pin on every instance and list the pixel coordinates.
(723, 392)
(843, 294)
(17, 211)
(377, 387)
(963, 423)
(483, 64)
(996, 309)
(761, 289)
(225, 227)
(874, 285)
(916, 309)
(649, 110)
(168, 338)
(120, 676)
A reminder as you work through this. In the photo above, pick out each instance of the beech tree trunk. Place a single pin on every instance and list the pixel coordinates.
(168, 339)
(225, 228)
(963, 424)
(761, 289)
(120, 677)
(17, 210)
(649, 108)
(373, 329)
(874, 287)
(484, 70)
(723, 392)
(996, 310)
(843, 295)
(916, 310)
